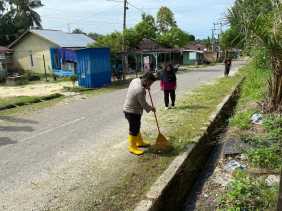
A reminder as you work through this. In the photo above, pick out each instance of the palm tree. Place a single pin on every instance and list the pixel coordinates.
(25, 14)
(260, 22)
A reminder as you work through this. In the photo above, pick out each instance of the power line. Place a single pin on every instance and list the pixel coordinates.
(137, 8)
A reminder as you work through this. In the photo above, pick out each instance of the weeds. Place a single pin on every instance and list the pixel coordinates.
(249, 193)
(246, 192)
(273, 126)
(242, 120)
(266, 157)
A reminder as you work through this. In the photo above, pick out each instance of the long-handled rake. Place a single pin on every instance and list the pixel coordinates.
(162, 145)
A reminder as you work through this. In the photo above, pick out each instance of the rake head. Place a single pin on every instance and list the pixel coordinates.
(162, 145)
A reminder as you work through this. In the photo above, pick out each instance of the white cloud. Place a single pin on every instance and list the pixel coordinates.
(104, 16)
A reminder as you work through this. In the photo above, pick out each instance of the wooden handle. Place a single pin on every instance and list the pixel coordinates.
(154, 111)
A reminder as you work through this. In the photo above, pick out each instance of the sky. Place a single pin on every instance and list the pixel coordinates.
(106, 16)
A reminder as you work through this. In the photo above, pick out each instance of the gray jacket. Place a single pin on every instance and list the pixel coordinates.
(135, 100)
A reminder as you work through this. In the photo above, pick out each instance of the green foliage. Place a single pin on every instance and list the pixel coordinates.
(146, 28)
(260, 23)
(253, 89)
(165, 20)
(94, 35)
(273, 126)
(171, 37)
(113, 41)
(175, 37)
(78, 31)
(261, 58)
(231, 39)
(266, 151)
(16, 16)
(247, 193)
(242, 120)
(132, 37)
(269, 157)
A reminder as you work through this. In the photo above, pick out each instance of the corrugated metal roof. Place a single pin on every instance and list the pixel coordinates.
(63, 39)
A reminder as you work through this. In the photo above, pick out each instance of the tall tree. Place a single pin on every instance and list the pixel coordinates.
(94, 35)
(25, 14)
(260, 23)
(231, 39)
(113, 41)
(147, 27)
(78, 31)
(16, 16)
(165, 20)
(175, 37)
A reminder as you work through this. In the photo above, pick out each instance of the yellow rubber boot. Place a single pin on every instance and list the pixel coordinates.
(141, 142)
(132, 147)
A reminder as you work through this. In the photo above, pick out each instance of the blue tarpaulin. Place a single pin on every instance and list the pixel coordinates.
(92, 65)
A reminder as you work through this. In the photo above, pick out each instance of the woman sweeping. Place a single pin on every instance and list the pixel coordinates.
(168, 85)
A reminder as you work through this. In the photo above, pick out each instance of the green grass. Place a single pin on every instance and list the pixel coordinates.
(25, 100)
(186, 121)
(248, 192)
(268, 157)
(31, 107)
(15, 100)
(253, 90)
(181, 125)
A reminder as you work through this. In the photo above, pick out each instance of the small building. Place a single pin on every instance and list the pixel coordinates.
(148, 55)
(192, 57)
(32, 49)
(5, 61)
(91, 65)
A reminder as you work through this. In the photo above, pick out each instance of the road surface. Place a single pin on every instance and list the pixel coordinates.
(47, 157)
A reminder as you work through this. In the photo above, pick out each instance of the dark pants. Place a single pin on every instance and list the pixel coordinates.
(170, 93)
(227, 70)
(134, 121)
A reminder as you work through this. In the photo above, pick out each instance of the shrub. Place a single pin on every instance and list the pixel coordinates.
(247, 193)
(273, 126)
(266, 157)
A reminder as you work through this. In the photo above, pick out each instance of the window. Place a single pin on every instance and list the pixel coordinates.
(192, 56)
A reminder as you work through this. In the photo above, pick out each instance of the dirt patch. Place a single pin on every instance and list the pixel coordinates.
(40, 89)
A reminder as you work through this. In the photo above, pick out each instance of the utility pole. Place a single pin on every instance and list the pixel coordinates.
(69, 27)
(213, 41)
(124, 47)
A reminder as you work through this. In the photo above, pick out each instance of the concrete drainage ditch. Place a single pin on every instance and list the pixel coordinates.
(171, 190)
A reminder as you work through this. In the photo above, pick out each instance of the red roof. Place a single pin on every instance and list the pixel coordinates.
(196, 46)
(4, 49)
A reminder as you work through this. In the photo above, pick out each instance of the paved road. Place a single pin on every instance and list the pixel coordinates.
(46, 156)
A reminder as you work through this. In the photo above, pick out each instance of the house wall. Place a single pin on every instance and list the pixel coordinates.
(28, 54)
(192, 58)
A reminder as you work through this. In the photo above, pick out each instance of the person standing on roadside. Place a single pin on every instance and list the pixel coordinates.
(134, 105)
(168, 85)
(228, 63)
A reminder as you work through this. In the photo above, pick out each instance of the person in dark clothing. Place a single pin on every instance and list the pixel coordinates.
(168, 84)
(228, 63)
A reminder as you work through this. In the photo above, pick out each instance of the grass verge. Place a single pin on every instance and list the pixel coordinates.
(264, 154)
(181, 125)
